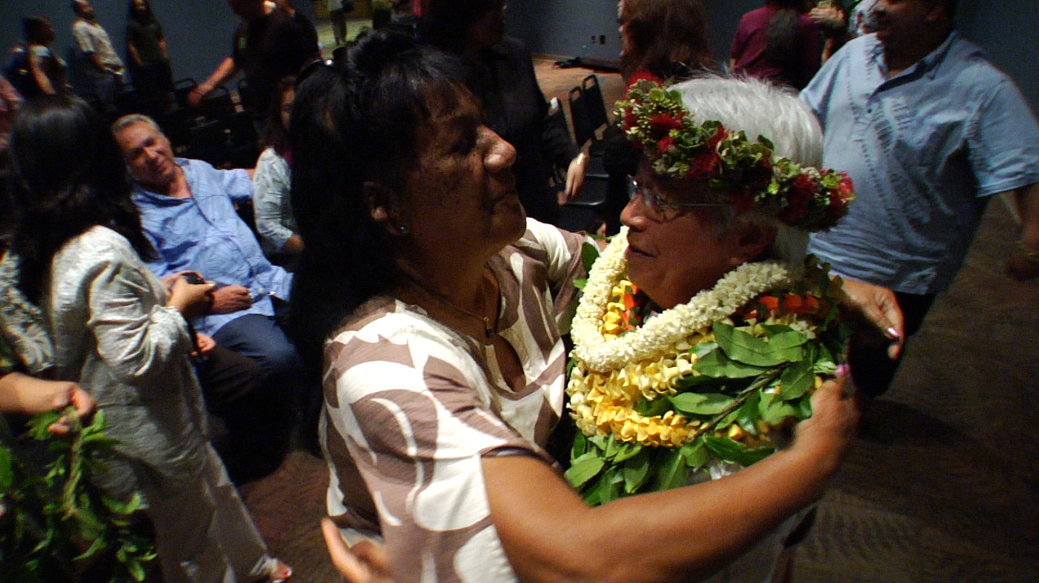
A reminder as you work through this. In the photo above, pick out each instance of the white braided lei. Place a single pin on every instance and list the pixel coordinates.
(658, 336)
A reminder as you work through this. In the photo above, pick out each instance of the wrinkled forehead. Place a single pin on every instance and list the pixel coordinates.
(137, 135)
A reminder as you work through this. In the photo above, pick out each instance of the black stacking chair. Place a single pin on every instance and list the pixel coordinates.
(210, 141)
(218, 105)
(181, 89)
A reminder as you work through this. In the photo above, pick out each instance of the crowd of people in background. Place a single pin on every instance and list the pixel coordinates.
(391, 259)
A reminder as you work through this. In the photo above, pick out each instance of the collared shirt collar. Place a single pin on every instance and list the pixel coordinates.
(927, 65)
(159, 198)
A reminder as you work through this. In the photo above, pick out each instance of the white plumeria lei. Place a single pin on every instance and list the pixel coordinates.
(659, 335)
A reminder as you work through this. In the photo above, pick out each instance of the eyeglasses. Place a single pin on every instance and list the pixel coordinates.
(656, 206)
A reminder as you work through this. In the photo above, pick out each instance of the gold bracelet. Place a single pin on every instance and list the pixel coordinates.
(1029, 255)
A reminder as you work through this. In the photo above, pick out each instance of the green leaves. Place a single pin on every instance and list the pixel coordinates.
(727, 449)
(752, 378)
(717, 364)
(589, 253)
(54, 520)
(769, 351)
(584, 468)
(690, 404)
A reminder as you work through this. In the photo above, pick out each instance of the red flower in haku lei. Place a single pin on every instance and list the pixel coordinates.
(839, 199)
(662, 123)
(719, 135)
(846, 187)
(704, 164)
(665, 145)
(799, 198)
(630, 120)
(644, 76)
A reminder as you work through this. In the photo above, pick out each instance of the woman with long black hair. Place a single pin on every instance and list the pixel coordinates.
(77, 257)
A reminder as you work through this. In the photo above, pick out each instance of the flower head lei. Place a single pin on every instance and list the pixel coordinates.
(747, 173)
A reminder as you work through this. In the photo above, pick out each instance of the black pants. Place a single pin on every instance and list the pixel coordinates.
(871, 367)
(257, 416)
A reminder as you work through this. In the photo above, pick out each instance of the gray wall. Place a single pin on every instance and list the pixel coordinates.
(198, 32)
(1006, 29)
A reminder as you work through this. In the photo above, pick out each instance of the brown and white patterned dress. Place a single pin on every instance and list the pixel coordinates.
(413, 406)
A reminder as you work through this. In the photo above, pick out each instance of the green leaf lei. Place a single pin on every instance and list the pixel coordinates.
(54, 525)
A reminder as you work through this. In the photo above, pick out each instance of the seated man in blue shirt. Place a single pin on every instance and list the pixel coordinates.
(187, 211)
(929, 130)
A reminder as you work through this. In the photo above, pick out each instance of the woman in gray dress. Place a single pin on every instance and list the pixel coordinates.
(76, 257)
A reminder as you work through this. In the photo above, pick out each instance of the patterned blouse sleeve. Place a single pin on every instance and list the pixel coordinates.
(271, 185)
(413, 413)
(561, 252)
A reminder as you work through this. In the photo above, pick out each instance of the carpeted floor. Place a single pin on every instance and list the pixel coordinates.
(943, 488)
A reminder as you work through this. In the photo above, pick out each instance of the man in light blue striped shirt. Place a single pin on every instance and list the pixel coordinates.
(929, 130)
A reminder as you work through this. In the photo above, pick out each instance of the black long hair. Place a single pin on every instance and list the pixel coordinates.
(353, 122)
(145, 18)
(32, 30)
(781, 42)
(67, 176)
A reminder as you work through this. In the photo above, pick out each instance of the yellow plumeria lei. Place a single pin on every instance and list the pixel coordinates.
(612, 373)
(620, 373)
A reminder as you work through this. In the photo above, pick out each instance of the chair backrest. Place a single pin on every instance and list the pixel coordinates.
(583, 128)
(177, 124)
(245, 142)
(217, 105)
(594, 102)
(209, 142)
(181, 89)
(243, 128)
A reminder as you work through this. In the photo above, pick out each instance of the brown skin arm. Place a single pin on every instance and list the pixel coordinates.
(550, 534)
(878, 306)
(225, 71)
(130, 48)
(28, 395)
(1019, 266)
(36, 67)
(230, 299)
(365, 562)
(294, 245)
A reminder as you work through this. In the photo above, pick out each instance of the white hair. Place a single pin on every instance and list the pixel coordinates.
(757, 108)
(132, 118)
